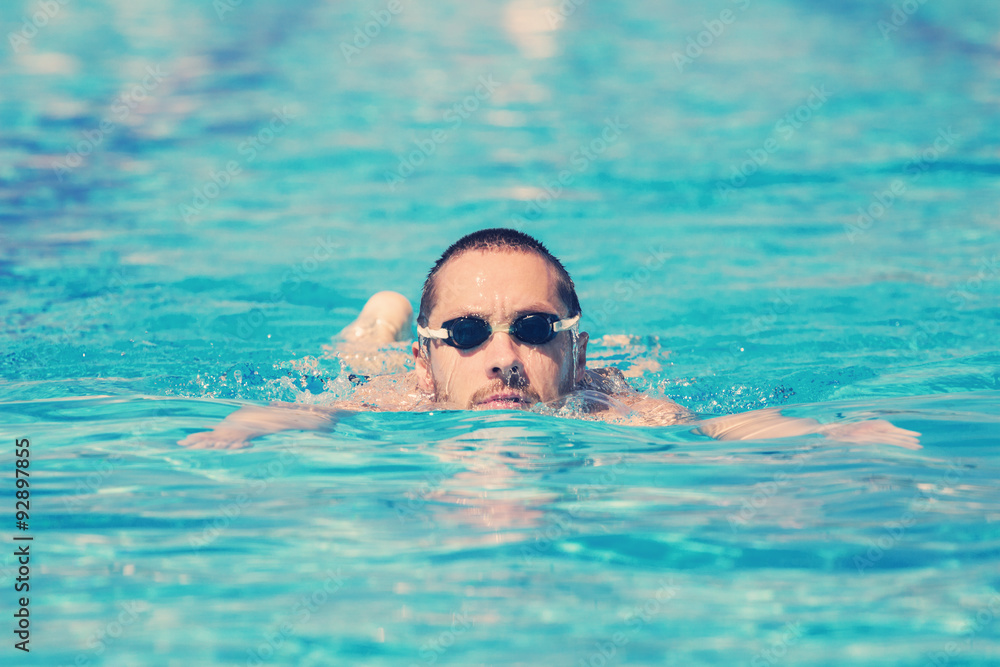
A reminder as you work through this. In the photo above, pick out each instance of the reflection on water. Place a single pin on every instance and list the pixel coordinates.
(441, 512)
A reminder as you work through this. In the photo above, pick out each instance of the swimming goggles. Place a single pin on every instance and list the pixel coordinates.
(468, 332)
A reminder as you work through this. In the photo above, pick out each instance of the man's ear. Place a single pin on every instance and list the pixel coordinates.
(581, 355)
(422, 369)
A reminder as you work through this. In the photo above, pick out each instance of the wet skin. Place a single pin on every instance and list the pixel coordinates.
(502, 373)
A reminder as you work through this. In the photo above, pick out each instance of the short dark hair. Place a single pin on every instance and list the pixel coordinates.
(499, 238)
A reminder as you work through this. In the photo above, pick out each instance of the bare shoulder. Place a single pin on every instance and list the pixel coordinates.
(641, 410)
(393, 392)
(650, 411)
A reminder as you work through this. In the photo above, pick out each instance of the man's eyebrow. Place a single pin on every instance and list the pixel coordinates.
(463, 312)
(479, 312)
(537, 308)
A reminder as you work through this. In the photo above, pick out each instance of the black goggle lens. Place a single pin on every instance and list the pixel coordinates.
(467, 332)
(534, 329)
(470, 332)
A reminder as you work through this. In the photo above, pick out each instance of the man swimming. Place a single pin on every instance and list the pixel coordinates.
(498, 329)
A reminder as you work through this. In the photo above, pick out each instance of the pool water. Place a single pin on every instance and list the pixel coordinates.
(783, 204)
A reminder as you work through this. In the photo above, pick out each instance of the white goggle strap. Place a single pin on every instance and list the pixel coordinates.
(568, 323)
(432, 333)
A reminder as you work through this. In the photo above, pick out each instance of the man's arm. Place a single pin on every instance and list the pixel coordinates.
(389, 393)
(386, 317)
(755, 425)
(238, 429)
(770, 423)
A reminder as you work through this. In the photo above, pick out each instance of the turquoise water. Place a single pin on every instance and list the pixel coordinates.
(191, 205)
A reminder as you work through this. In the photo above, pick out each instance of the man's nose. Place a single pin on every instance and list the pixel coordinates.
(502, 358)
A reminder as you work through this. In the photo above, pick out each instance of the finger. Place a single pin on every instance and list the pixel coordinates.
(209, 440)
(910, 443)
(193, 441)
(889, 427)
(237, 444)
(901, 440)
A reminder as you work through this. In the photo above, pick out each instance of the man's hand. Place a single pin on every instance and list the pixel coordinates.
(872, 431)
(219, 438)
(238, 429)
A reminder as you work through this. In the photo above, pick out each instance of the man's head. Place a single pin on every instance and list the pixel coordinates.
(499, 275)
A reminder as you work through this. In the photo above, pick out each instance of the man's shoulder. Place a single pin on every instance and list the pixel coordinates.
(607, 380)
(644, 410)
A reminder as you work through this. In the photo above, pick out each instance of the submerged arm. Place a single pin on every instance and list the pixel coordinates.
(756, 425)
(238, 429)
(770, 423)
(636, 408)
(388, 392)
(386, 317)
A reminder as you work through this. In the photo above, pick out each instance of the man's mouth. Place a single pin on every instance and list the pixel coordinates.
(505, 401)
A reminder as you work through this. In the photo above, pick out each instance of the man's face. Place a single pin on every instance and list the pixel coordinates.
(502, 373)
